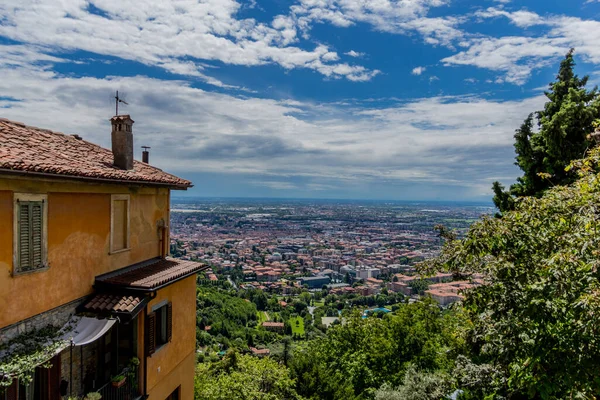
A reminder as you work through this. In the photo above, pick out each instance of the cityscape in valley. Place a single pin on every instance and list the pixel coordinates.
(307, 264)
(349, 247)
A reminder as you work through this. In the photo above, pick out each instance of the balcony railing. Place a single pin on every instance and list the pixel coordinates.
(128, 391)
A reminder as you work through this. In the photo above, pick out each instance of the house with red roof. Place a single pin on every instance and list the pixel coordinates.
(84, 257)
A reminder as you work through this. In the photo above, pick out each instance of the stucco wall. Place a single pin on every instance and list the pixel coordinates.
(173, 364)
(78, 241)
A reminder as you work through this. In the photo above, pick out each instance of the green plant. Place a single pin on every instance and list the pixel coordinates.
(131, 369)
(93, 396)
(118, 378)
(26, 352)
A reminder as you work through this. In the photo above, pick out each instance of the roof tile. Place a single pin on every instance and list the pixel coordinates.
(150, 276)
(29, 149)
(112, 302)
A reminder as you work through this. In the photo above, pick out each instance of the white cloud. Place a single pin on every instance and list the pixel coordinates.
(521, 18)
(517, 56)
(169, 35)
(456, 141)
(418, 70)
(353, 53)
(404, 17)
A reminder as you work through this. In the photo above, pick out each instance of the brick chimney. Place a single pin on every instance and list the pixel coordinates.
(122, 141)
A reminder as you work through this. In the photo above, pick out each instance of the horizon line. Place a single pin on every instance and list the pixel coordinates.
(479, 202)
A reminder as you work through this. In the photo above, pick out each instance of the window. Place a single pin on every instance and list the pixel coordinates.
(159, 326)
(119, 223)
(30, 233)
(174, 395)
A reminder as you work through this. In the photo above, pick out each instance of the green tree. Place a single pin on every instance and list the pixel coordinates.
(417, 386)
(565, 123)
(241, 377)
(536, 319)
(419, 286)
(356, 357)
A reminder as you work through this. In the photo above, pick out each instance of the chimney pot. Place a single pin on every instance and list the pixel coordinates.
(122, 141)
(146, 154)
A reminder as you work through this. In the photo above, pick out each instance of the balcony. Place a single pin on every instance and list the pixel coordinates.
(129, 390)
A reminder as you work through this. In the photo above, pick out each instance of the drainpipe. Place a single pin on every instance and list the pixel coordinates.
(81, 370)
(71, 371)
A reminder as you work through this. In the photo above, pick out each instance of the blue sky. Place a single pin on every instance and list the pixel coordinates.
(363, 99)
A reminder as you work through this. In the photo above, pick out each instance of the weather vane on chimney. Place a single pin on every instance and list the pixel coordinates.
(117, 101)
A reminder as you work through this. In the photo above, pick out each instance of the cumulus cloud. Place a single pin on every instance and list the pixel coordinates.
(517, 56)
(403, 17)
(170, 35)
(418, 70)
(452, 141)
(521, 18)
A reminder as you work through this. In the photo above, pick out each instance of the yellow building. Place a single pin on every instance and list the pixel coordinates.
(84, 236)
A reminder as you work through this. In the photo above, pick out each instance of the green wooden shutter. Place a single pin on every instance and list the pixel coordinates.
(169, 322)
(24, 236)
(30, 235)
(36, 234)
(150, 333)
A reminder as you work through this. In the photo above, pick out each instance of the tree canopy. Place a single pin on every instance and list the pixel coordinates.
(360, 355)
(535, 321)
(244, 377)
(564, 125)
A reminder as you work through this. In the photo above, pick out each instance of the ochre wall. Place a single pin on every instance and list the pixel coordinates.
(175, 359)
(78, 241)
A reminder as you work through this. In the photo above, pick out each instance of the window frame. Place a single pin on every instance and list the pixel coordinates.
(33, 198)
(160, 311)
(113, 198)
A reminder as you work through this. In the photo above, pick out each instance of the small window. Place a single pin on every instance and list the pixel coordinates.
(119, 226)
(174, 395)
(159, 327)
(30, 233)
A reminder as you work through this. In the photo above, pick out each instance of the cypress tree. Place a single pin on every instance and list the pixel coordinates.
(564, 125)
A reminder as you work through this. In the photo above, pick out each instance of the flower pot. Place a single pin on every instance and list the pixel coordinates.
(118, 384)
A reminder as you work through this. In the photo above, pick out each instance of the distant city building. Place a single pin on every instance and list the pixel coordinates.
(315, 282)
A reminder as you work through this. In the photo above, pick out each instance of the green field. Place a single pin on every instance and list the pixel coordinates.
(262, 317)
(319, 303)
(297, 324)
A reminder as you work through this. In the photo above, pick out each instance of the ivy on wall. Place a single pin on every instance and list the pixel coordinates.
(20, 356)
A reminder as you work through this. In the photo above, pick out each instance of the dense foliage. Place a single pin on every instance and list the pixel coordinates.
(360, 355)
(536, 320)
(232, 319)
(564, 125)
(20, 356)
(244, 377)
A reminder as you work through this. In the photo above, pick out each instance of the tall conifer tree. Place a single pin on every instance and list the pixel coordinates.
(564, 125)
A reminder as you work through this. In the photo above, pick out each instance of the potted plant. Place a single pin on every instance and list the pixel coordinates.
(131, 370)
(118, 381)
(93, 396)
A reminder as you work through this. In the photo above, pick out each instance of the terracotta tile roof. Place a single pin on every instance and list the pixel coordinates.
(273, 324)
(34, 150)
(151, 274)
(260, 352)
(112, 302)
